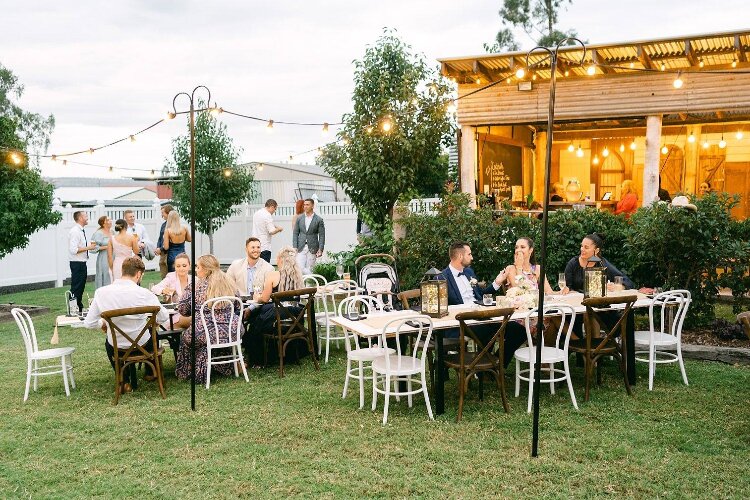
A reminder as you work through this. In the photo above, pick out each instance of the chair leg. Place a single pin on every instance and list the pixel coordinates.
(374, 392)
(624, 371)
(682, 365)
(409, 397)
(551, 378)
(503, 392)
(347, 377)
(387, 386)
(328, 345)
(588, 365)
(426, 396)
(361, 385)
(242, 363)
(311, 349)
(651, 366)
(532, 374)
(118, 382)
(70, 371)
(280, 347)
(159, 368)
(518, 377)
(208, 368)
(462, 388)
(566, 367)
(236, 356)
(65, 375)
(28, 381)
(36, 377)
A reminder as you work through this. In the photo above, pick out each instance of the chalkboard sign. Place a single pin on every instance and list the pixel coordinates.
(500, 166)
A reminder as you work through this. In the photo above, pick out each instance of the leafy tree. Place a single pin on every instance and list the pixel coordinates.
(25, 198)
(538, 18)
(218, 185)
(391, 142)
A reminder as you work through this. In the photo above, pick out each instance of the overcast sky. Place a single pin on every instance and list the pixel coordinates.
(108, 69)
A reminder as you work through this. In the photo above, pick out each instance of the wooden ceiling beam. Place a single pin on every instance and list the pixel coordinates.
(481, 70)
(741, 54)
(690, 54)
(645, 58)
(600, 61)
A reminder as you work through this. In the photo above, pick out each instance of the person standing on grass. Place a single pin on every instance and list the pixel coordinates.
(160, 250)
(124, 293)
(264, 227)
(137, 229)
(309, 237)
(78, 254)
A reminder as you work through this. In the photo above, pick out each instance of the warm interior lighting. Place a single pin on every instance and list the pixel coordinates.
(722, 142)
(632, 65)
(595, 160)
(605, 152)
(633, 145)
(520, 73)
(739, 135)
(533, 77)
(507, 80)
(478, 81)
(701, 63)
(664, 150)
(269, 126)
(691, 138)
(622, 147)
(571, 148)
(579, 152)
(677, 83)
(663, 66)
(734, 63)
(705, 144)
(591, 70)
(567, 73)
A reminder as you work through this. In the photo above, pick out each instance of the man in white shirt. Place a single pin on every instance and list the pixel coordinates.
(264, 227)
(309, 237)
(250, 271)
(136, 228)
(78, 253)
(123, 293)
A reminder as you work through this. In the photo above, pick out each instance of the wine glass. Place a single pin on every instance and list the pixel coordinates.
(256, 291)
(340, 270)
(561, 281)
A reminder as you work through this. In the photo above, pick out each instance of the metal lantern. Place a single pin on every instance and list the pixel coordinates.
(595, 279)
(434, 291)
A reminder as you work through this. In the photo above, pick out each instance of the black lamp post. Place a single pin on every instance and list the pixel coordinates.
(545, 207)
(191, 98)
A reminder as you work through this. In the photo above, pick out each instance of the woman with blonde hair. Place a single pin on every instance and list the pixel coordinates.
(175, 236)
(628, 199)
(211, 283)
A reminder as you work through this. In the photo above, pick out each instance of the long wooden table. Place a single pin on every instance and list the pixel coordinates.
(373, 325)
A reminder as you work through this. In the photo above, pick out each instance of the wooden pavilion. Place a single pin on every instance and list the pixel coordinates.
(678, 108)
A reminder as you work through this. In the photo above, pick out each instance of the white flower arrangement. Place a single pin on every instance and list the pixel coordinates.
(473, 282)
(522, 296)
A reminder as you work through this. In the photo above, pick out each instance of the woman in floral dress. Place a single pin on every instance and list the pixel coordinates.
(211, 283)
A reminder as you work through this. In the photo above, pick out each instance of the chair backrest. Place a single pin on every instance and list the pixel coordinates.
(115, 331)
(484, 350)
(23, 320)
(289, 320)
(566, 315)
(314, 280)
(594, 306)
(419, 325)
(410, 298)
(208, 313)
(363, 304)
(673, 305)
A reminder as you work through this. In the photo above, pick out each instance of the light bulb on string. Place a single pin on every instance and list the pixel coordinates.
(734, 63)
(369, 129)
(622, 147)
(132, 138)
(111, 169)
(227, 172)
(478, 81)
(508, 80)
(170, 115)
(567, 73)
(579, 152)
(571, 147)
(664, 149)
(65, 162)
(663, 67)
(739, 135)
(54, 158)
(324, 132)
(722, 142)
(591, 70)
(451, 108)
(701, 63)
(677, 83)
(15, 158)
(91, 151)
(632, 65)
(705, 144)
(387, 125)
(691, 138)
(269, 126)
(605, 152)
(520, 73)
(260, 167)
(595, 160)
(291, 157)
(533, 77)
(153, 173)
(633, 145)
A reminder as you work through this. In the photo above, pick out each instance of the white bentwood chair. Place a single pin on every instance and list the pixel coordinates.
(334, 291)
(34, 355)
(550, 354)
(388, 371)
(323, 310)
(671, 308)
(355, 353)
(234, 338)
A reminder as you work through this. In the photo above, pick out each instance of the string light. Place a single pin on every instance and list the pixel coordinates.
(269, 126)
(533, 77)
(91, 151)
(595, 161)
(153, 173)
(325, 129)
(111, 169)
(633, 145)
(705, 144)
(722, 142)
(622, 147)
(369, 129)
(579, 152)
(260, 167)
(739, 135)
(605, 152)
(571, 147)
(664, 149)
(508, 80)
(701, 63)
(387, 125)
(54, 157)
(734, 63)
(591, 70)
(632, 65)
(567, 73)
(520, 73)
(691, 138)
(478, 81)
(171, 115)
(227, 172)
(663, 66)
(132, 138)
(677, 83)
(452, 107)
(65, 162)
(16, 158)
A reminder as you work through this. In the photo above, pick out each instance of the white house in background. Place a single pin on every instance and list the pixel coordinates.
(288, 182)
(85, 191)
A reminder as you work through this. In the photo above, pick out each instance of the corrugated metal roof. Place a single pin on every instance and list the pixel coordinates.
(694, 53)
(85, 194)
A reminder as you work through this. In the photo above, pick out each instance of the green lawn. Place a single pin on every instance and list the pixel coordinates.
(296, 436)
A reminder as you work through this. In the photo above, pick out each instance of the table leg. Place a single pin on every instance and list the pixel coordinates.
(630, 348)
(439, 374)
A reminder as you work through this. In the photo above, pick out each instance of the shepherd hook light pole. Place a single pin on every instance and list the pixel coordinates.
(191, 98)
(553, 53)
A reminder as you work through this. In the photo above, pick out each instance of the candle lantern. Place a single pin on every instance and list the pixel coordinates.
(434, 291)
(594, 279)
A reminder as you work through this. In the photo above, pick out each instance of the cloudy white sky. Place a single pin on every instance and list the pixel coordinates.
(107, 69)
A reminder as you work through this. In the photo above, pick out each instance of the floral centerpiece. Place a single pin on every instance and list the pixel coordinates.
(523, 296)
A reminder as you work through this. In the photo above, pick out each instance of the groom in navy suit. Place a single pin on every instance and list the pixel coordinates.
(463, 288)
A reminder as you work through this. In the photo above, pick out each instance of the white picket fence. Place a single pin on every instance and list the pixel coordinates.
(45, 259)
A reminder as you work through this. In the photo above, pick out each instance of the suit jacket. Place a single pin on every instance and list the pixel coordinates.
(314, 237)
(454, 294)
(237, 272)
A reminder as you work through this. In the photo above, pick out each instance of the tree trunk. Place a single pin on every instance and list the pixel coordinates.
(211, 242)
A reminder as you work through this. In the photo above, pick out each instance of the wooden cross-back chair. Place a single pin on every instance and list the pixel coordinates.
(292, 323)
(126, 358)
(593, 347)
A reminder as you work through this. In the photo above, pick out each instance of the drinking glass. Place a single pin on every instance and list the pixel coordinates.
(347, 276)
(339, 270)
(354, 315)
(487, 299)
(256, 291)
(561, 281)
(619, 285)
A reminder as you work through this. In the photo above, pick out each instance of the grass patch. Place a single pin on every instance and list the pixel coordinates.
(296, 436)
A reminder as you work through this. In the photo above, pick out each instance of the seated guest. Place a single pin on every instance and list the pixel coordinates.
(262, 319)
(558, 192)
(591, 245)
(123, 293)
(629, 199)
(525, 266)
(463, 289)
(174, 285)
(251, 271)
(211, 283)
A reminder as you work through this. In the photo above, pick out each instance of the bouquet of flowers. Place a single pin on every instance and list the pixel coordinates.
(524, 295)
